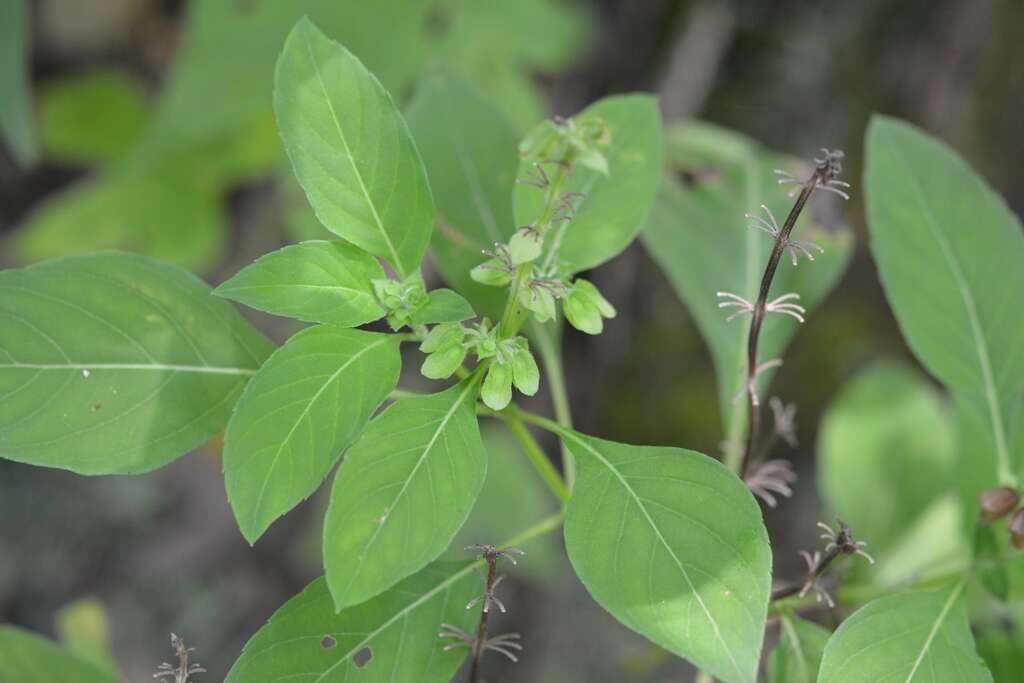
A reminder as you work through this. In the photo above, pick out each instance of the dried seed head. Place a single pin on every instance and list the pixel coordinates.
(1016, 527)
(997, 503)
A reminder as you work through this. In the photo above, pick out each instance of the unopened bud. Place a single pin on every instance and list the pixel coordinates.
(997, 503)
(1017, 529)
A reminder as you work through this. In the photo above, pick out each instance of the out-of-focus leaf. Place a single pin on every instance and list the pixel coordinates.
(15, 98)
(798, 655)
(116, 363)
(978, 452)
(470, 152)
(315, 281)
(390, 639)
(937, 228)
(672, 544)
(886, 429)
(699, 236)
(306, 405)
(913, 637)
(351, 150)
(91, 118)
(613, 207)
(932, 541)
(989, 557)
(402, 493)
(1003, 651)
(121, 213)
(498, 43)
(27, 658)
(84, 629)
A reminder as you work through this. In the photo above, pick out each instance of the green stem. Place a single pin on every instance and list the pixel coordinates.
(551, 358)
(542, 527)
(396, 394)
(538, 420)
(512, 318)
(538, 458)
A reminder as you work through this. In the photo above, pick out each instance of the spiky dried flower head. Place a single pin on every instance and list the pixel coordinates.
(825, 176)
(181, 673)
(784, 415)
(771, 478)
(491, 553)
(771, 226)
(843, 541)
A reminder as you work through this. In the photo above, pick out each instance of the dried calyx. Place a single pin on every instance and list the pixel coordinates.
(997, 503)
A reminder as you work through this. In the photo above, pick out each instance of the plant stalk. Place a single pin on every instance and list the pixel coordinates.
(757, 320)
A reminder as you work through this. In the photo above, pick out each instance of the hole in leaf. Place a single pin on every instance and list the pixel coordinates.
(328, 642)
(362, 658)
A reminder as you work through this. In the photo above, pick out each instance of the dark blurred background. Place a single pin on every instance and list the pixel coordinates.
(161, 552)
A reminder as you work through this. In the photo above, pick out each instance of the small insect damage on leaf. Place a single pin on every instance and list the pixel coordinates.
(362, 658)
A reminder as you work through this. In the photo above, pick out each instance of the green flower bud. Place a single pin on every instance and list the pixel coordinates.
(525, 246)
(585, 307)
(545, 142)
(525, 374)
(487, 348)
(442, 336)
(492, 273)
(443, 363)
(539, 301)
(497, 389)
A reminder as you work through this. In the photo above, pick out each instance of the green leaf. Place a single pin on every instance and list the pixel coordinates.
(910, 637)
(470, 151)
(116, 363)
(307, 404)
(92, 118)
(501, 45)
(672, 544)
(306, 639)
(402, 492)
(614, 206)
(174, 215)
(698, 235)
(798, 655)
(1002, 648)
(936, 227)
(990, 560)
(887, 426)
(15, 97)
(84, 629)
(27, 658)
(442, 306)
(351, 150)
(315, 281)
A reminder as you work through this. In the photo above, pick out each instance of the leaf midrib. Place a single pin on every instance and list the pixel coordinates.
(682, 570)
(950, 601)
(405, 485)
(302, 416)
(405, 611)
(348, 152)
(160, 367)
(981, 347)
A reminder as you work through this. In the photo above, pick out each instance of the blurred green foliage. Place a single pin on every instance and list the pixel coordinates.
(161, 176)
